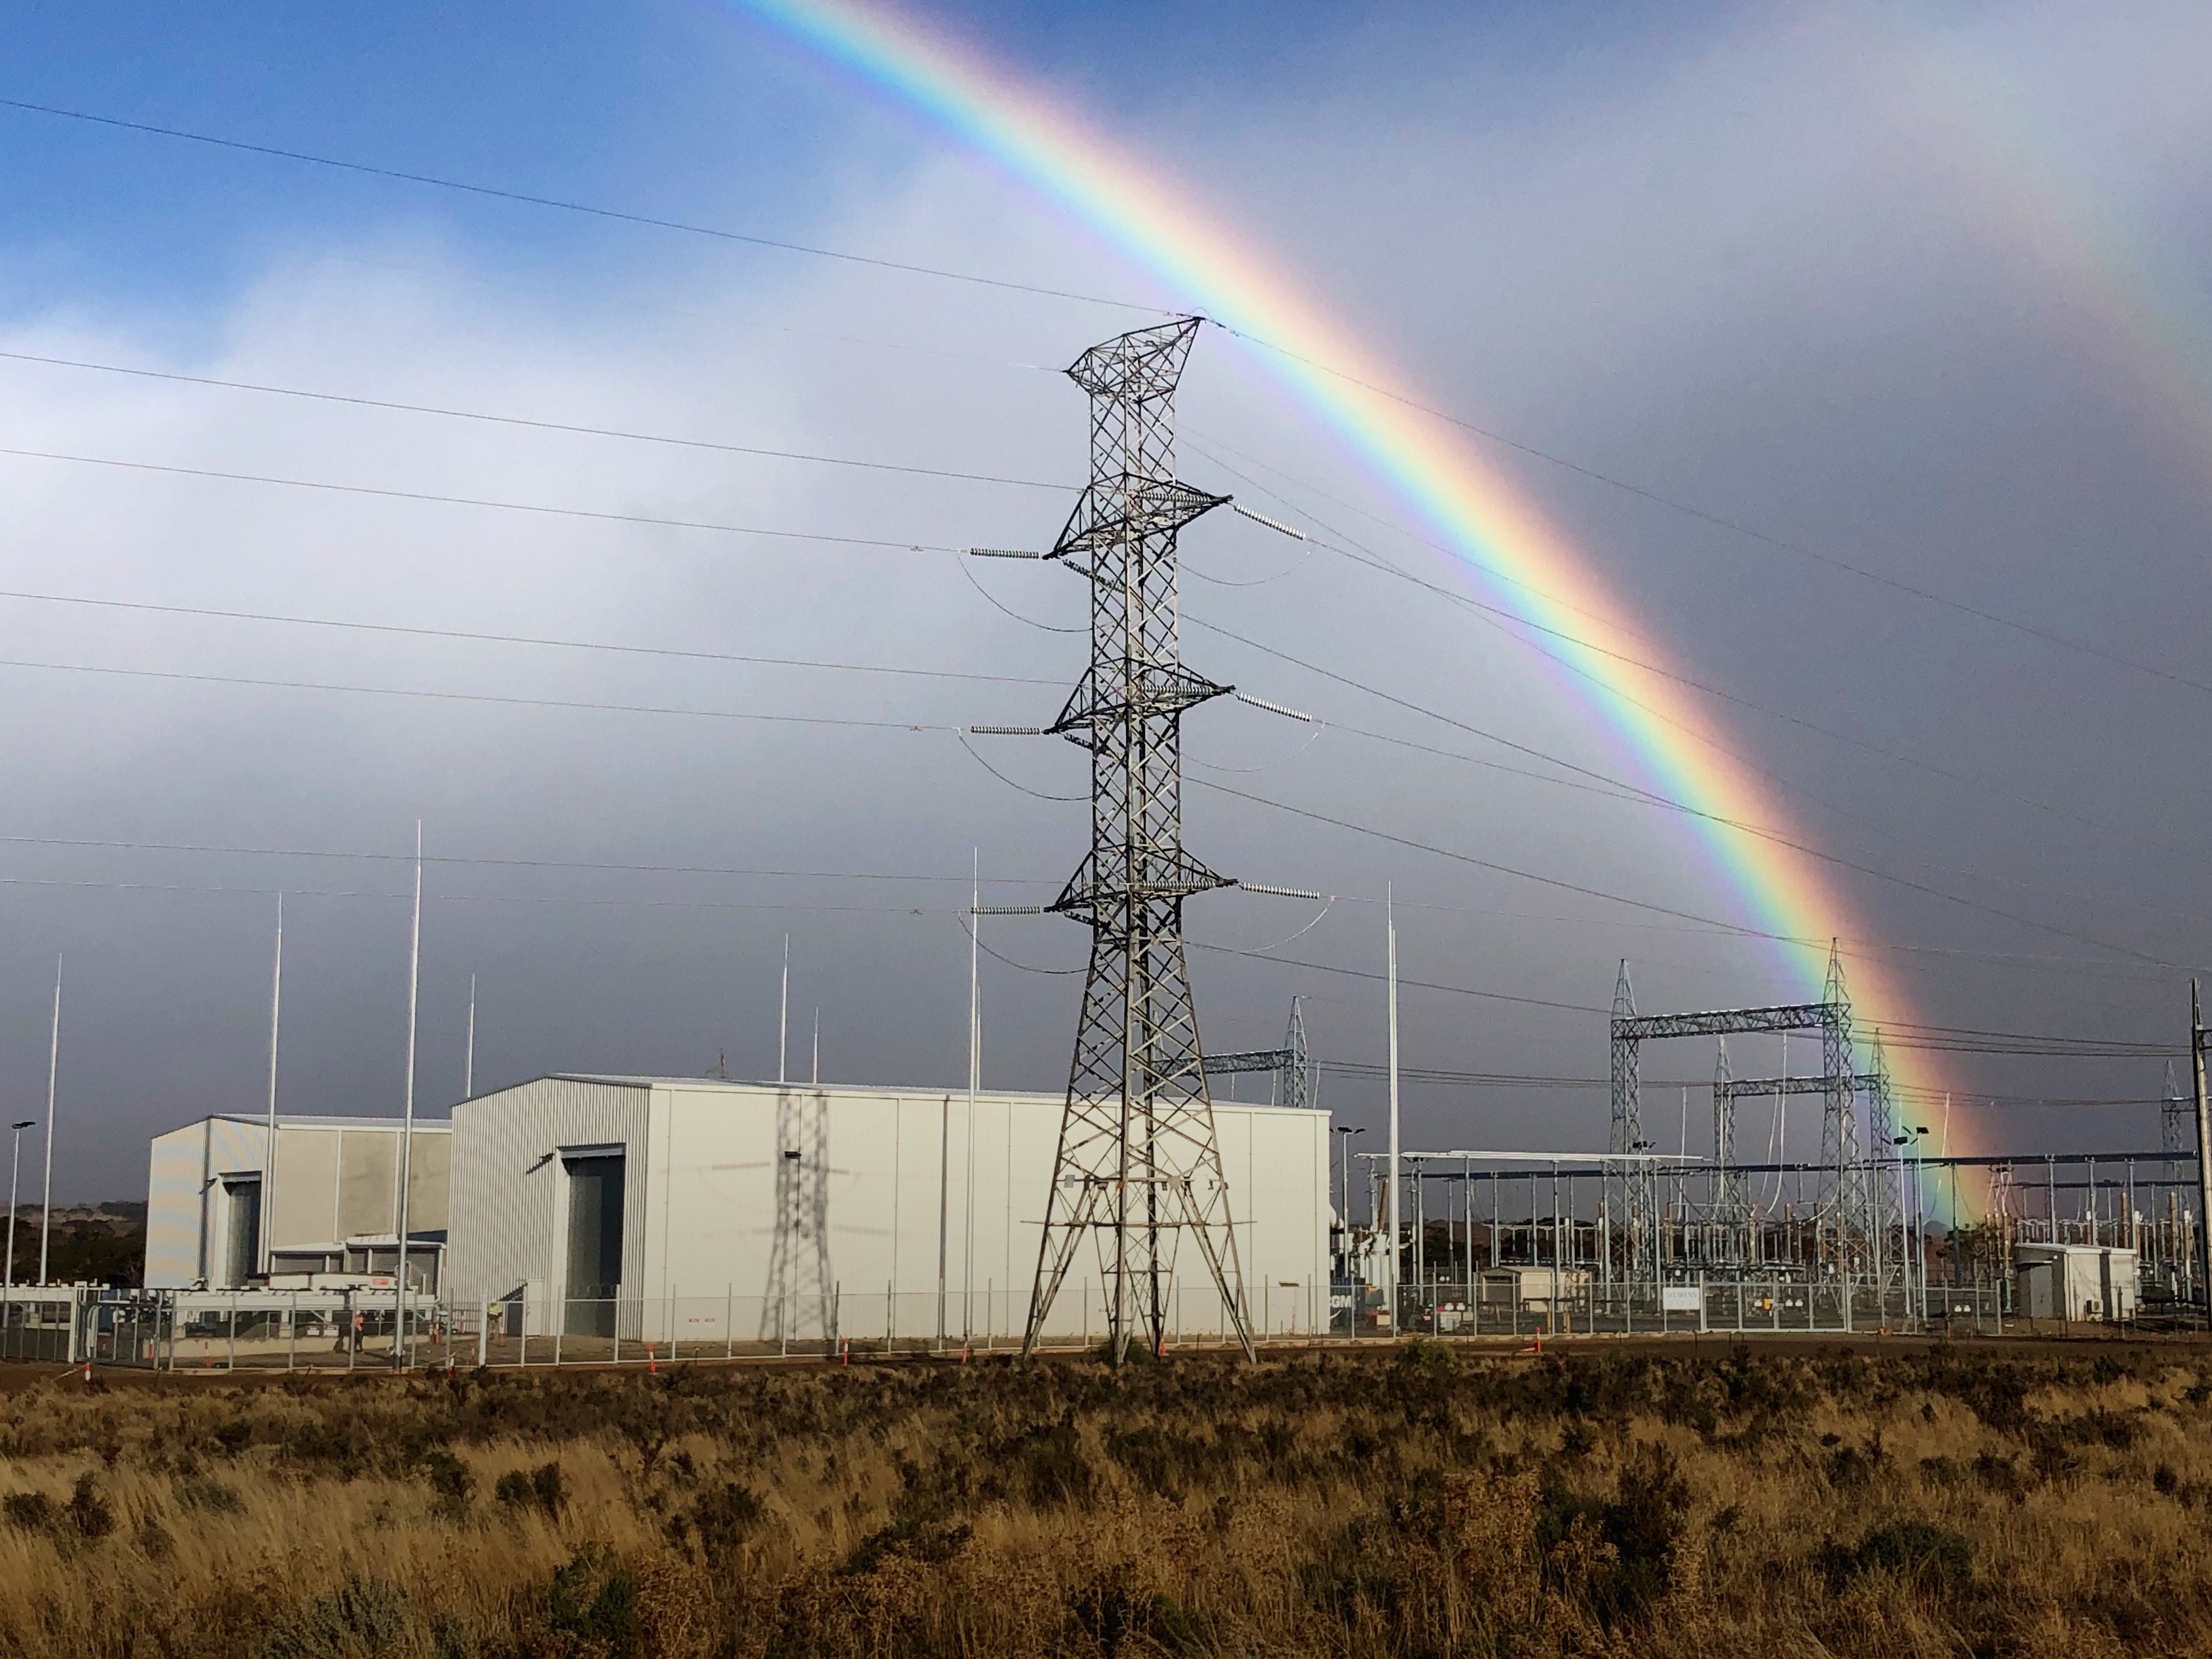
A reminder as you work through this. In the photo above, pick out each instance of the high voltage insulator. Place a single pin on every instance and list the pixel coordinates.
(1138, 1167)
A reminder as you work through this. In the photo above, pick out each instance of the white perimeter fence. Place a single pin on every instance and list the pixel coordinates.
(348, 1330)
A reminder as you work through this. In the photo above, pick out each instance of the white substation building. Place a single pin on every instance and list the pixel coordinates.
(660, 1209)
(663, 1209)
(221, 1212)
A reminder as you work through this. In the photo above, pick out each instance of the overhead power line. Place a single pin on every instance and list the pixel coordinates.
(469, 637)
(1511, 622)
(1480, 864)
(496, 193)
(350, 401)
(819, 537)
(1855, 947)
(478, 861)
(479, 696)
(1618, 898)
(1947, 1038)
(469, 898)
(1613, 788)
(1607, 786)
(639, 708)
(1368, 1070)
(473, 501)
(1409, 984)
(1722, 521)
(1719, 520)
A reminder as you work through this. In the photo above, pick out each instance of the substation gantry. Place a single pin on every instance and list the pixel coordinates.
(1858, 1210)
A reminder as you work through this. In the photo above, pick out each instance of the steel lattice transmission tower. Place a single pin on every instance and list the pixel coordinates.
(1138, 1167)
(1847, 1214)
(1638, 1191)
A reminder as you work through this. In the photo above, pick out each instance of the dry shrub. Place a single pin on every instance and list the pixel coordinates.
(1427, 1500)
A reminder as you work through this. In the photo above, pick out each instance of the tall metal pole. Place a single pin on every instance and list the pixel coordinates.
(14, 1174)
(269, 1155)
(783, 1015)
(469, 1062)
(1390, 965)
(407, 1119)
(1138, 1166)
(53, 1078)
(975, 1078)
(1345, 1215)
(2204, 1144)
(943, 1206)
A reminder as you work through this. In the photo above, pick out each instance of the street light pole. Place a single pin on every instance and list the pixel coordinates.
(1920, 1212)
(1344, 1215)
(14, 1174)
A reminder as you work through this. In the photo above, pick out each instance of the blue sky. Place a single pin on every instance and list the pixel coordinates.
(691, 110)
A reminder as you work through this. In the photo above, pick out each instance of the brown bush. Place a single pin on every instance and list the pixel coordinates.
(1430, 1501)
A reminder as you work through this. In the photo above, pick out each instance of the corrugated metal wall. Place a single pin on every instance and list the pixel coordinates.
(175, 1178)
(331, 1182)
(878, 1173)
(508, 1187)
(304, 1200)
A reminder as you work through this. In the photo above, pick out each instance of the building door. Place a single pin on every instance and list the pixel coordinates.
(241, 1254)
(595, 1242)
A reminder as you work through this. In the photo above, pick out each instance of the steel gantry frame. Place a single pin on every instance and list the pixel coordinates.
(1855, 1223)
(1138, 1164)
(1292, 1064)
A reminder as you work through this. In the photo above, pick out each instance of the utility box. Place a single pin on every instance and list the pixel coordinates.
(2074, 1282)
(1533, 1289)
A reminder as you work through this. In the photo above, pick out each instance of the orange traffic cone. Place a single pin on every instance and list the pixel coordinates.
(652, 1366)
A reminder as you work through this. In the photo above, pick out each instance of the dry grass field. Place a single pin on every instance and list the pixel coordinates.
(1415, 1501)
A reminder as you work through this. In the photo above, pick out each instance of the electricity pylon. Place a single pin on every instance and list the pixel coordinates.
(1138, 1166)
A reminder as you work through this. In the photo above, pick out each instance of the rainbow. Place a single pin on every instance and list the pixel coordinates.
(1501, 539)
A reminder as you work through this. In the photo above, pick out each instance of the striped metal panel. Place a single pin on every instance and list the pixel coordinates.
(507, 1184)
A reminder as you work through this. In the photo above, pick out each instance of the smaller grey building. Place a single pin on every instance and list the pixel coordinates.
(221, 1212)
(2086, 1282)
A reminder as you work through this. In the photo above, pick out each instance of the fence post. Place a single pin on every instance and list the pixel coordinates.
(292, 1335)
(891, 1317)
(230, 1363)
